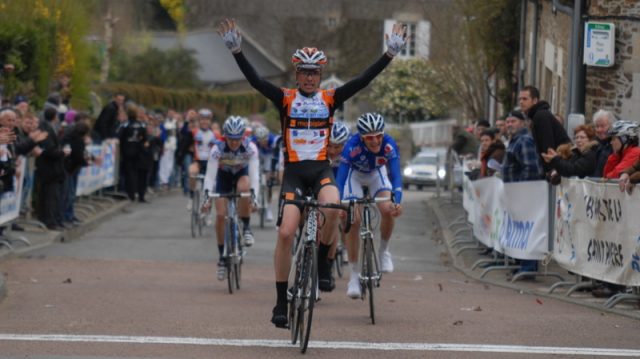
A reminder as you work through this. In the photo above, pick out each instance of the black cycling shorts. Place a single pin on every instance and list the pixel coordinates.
(300, 176)
(203, 167)
(227, 181)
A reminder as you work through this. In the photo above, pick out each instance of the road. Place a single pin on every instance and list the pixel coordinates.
(139, 286)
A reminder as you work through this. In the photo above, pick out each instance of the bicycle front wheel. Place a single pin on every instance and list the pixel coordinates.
(308, 288)
(231, 259)
(369, 269)
(195, 213)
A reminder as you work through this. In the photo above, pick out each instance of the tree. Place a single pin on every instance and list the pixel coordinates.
(411, 90)
(174, 68)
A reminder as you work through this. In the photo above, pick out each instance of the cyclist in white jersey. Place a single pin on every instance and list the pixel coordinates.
(232, 161)
(203, 141)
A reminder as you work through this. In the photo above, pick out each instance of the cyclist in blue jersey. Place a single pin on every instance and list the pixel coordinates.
(266, 143)
(371, 158)
(232, 160)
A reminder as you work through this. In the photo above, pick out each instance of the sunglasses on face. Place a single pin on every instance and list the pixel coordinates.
(373, 136)
(309, 72)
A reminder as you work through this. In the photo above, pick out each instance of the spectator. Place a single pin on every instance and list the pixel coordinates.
(76, 137)
(50, 174)
(581, 161)
(481, 125)
(494, 151)
(153, 153)
(21, 104)
(109, 118)
(630, 177)
(133, 136)
(184, 153)
(624, 142)
(7, 149)
(464, 143)
(502, 135)
(602, 121)
(170, 144)
(521, 161)
(547, 132)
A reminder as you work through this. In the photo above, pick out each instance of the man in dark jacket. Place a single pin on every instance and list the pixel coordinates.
(107, 122)
(76, 138)
(133, 136)
(546, 130)
(50, 175)
(602, 121)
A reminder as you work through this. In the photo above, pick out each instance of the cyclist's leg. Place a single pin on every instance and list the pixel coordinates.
(382, 188)
(221, 211)
(194, 170)
(327, 194)
(282, 262)
(244, 209)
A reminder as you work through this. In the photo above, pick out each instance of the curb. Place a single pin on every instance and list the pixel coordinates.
(458, 264)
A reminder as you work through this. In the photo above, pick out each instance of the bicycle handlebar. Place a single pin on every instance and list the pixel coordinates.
(231, 195)
(367, 200)
(314, 203)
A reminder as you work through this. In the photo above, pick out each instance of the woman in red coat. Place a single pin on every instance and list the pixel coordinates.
(624, 141)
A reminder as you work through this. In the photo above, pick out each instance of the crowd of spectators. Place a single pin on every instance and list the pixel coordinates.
(532, 144)
(156, 148)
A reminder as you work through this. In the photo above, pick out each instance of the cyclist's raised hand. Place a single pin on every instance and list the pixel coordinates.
(230, 35)
(397, 40)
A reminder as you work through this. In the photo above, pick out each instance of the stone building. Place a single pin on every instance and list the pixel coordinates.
(547, 62)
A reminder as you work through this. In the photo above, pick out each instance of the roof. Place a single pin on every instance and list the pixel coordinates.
(217, 65)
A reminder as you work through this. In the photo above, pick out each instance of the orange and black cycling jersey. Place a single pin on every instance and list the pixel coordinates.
(306, 119)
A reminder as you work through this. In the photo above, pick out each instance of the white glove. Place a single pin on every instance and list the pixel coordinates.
(232, 40)
(397, 40)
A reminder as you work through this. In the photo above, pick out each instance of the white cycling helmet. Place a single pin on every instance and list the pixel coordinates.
(234, 127)
(205, 112)
(261, 133)
(370, 122)
(308, 58)
(339, 133)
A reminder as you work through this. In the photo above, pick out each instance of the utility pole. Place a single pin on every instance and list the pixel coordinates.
(109, 23)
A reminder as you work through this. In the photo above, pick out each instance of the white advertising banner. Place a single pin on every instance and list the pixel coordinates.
(10, 201)
(597, 231)
(109, 151)
(512, 218)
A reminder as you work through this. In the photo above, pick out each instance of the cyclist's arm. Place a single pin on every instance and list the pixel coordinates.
(349, 89)
(395, 177)
(263, 86)
(254, 169)
(212, 171)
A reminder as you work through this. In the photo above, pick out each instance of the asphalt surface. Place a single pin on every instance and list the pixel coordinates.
(138, 286)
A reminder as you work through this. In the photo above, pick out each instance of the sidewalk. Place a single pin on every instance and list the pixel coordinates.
(456, 233)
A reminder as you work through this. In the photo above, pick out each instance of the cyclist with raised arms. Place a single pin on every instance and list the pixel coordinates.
(232, 160)
(371, 159)
(203, 141)
(266, 143)
(306, 116)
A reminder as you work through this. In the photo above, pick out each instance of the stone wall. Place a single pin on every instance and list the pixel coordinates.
(612, 88)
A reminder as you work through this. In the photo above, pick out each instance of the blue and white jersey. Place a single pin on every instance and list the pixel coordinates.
(357, 157)
(223, 159)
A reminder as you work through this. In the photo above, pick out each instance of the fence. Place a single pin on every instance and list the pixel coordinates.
(92, 180)
(586, 226)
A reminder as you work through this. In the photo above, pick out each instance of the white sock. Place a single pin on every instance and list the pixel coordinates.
(355, 271)
(383, 245)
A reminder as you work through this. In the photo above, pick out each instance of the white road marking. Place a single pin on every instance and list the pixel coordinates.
(519, 349)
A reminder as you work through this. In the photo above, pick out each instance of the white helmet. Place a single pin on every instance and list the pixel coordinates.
(308, 58)
(339, 133)
(370, 122)
(234, 127)
(261, 133)
(625, 130)
(205, 112)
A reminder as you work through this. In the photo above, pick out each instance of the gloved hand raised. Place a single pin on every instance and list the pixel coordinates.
(397, 40)
(230, 35)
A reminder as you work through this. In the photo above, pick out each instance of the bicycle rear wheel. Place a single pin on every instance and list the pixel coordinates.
(230, 249)
(308, 287)
(338, 260)
(263, 207)
(369, 268)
